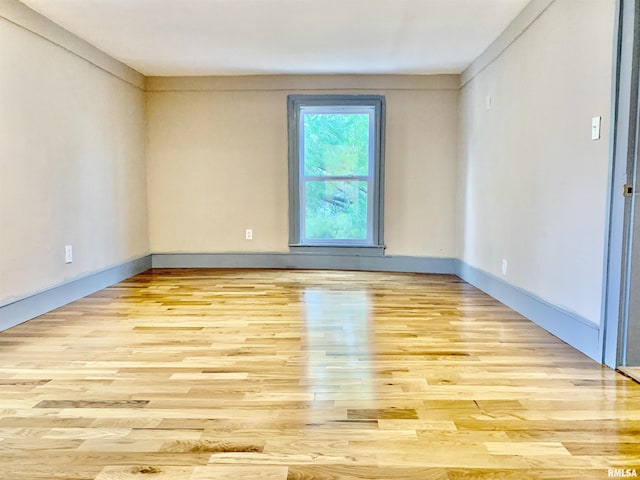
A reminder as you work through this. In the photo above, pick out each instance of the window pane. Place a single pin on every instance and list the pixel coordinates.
(336, 144)
(336, 210)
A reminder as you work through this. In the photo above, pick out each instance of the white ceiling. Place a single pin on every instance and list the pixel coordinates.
(246, 37)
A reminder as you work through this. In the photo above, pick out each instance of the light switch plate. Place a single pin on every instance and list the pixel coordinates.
(595, 128)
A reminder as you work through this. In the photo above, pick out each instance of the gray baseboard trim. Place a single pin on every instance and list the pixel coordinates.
(23, 309)
(578, 332)
(574, 330)
(305, 261)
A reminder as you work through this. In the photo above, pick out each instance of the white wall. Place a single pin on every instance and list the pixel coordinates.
(72, 157)
(218, 161)
(533, 183)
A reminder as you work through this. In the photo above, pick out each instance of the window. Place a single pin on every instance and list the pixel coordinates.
(336, 146)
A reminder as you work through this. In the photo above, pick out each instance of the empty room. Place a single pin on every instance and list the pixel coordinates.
(330, 240)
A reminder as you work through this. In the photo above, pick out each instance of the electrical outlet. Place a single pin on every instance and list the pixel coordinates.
(248, 234)
(504, 267)
(68, 254)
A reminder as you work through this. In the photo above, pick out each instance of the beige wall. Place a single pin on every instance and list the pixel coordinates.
(218, 161)
(72, 157)
(533, 183)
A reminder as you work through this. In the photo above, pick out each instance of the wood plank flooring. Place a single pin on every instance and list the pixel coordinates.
(300, 375)
(632, 372)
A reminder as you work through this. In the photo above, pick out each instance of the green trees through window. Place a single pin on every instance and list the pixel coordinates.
(336, 169)
(336, 144)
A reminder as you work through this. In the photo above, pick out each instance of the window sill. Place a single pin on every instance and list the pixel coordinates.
(347, 250)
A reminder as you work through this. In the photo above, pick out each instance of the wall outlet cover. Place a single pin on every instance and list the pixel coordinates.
(68, 254)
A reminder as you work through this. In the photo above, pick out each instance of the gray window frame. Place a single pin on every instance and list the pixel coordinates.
(375, 245)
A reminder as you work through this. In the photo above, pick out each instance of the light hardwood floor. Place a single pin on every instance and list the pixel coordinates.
(633, 372)
(246, 374)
